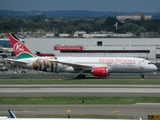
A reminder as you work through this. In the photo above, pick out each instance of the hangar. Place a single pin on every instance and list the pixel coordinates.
(148, 48)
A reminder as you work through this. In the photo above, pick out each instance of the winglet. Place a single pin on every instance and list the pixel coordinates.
(12, 115)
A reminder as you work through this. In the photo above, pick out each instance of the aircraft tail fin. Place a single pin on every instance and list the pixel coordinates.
(19, 48)
(12, 115)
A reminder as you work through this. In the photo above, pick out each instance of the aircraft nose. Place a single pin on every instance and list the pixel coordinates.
(155, 69)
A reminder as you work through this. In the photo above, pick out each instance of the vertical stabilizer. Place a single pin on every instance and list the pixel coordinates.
(19, 48)
(12, 115)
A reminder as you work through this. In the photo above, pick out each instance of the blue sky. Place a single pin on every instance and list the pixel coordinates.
(91, 5)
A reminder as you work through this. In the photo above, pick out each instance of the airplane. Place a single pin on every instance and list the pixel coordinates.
(98, 66)
(13, 116)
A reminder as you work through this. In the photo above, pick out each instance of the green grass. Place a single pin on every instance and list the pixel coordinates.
(77, 81)
(70, 79)
(77, 100)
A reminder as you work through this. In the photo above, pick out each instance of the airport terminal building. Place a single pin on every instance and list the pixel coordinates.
(148, 48)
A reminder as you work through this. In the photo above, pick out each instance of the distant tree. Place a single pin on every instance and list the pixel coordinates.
(90, 21)
(137, 33)
(70, 25)
(109, 23)
(41, 25)
(84, 27)
(70, 29)
(130, 27)
(38, 18)
(56, 35)
(78, 21)
(99, 25)
(31, 26)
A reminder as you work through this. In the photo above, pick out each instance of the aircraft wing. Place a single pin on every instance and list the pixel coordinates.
(75, 65)
(16, 61)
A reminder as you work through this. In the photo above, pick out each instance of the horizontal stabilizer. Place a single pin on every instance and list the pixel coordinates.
(16, 61)
(2, 117)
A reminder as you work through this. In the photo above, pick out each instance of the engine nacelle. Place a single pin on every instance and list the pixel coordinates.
(100, 71)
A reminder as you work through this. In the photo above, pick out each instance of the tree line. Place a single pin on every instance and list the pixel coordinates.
(71, 25)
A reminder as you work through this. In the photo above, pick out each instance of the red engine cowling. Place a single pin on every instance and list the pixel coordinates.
(100, 71)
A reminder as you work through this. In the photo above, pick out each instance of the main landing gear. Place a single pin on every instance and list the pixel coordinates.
(142, 76)
(81, 76)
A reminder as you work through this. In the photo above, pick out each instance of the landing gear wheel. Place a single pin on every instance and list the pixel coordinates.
(81, 76)
(23, 71)
(142, 76)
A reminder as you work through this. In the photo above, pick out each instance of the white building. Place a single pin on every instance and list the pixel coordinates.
(148, 48)
(122, 18)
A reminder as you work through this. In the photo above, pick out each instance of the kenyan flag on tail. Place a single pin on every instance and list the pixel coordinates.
(19, 48)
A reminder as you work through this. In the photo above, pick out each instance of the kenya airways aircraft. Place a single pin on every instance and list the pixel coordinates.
(98, 66)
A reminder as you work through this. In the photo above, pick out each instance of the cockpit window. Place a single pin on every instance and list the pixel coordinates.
(149, 63)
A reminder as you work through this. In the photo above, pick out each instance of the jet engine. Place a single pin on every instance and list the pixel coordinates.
(100, 71)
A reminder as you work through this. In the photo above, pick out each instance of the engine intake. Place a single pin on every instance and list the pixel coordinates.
(100, 71)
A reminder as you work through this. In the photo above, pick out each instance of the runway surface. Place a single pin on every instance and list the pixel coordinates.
(80, 90)
(135, 110)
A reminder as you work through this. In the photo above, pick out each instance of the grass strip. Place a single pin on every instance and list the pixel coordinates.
(60, 100)
(51, 75)
(84, 81)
